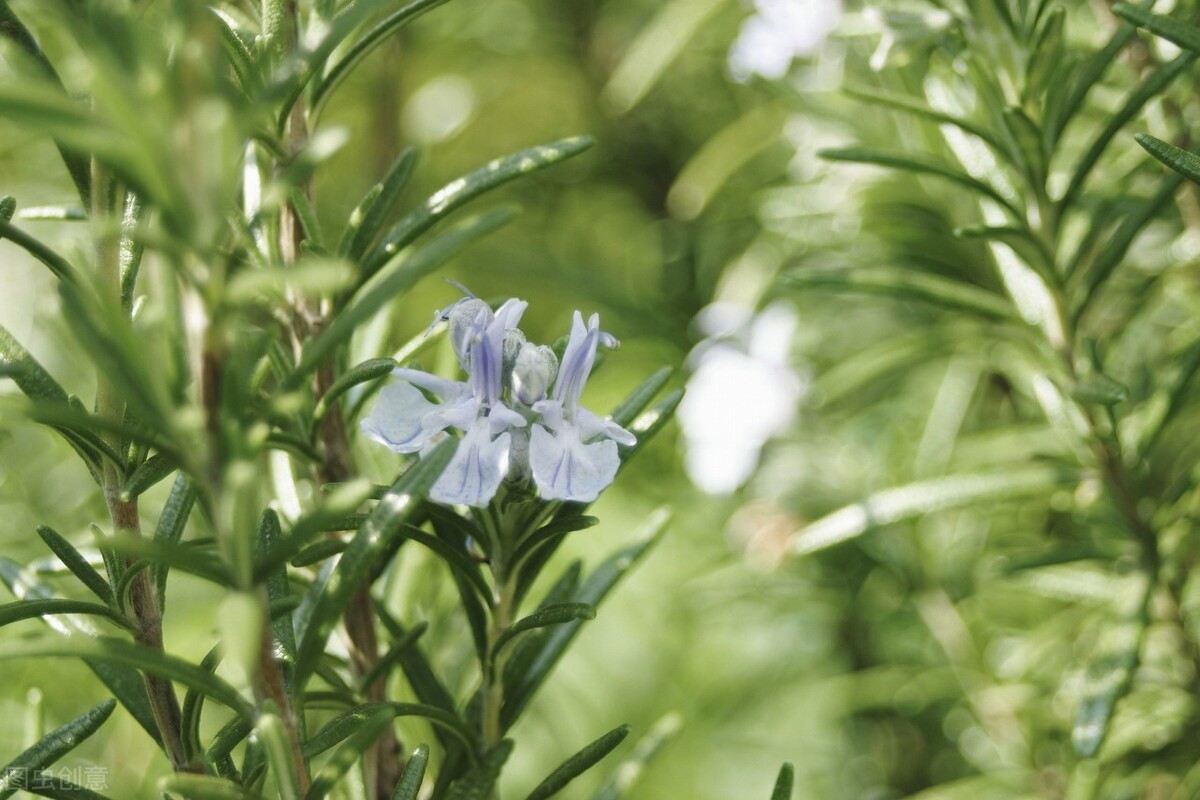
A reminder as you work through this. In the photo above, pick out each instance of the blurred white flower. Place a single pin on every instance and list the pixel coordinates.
(743, 391)
(779, 31)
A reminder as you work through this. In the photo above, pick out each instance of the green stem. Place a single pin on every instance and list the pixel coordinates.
(493, 695)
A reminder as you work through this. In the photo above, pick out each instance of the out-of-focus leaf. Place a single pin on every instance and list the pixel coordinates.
(1090, 74)
(73, 560)
(131, 248)
(1110, 669)
(579, 763)
(783, 784)
(43, 784)
(1099, 389)
(389, 659)
(203, 787)
(462, 190)
(391, 281)
(551, 532)
(129, 654)
(926, 497)
(394, 509)
(409, 785)
(921, 286)
(478, 782)
(641, 396)
(1147, 90)
(921, 165)
(912, 105)
(125, 684)
(592, 591)
(32, 609)
(53, 746)
(369, 41)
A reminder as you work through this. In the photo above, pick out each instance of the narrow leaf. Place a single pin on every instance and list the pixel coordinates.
(627, 773)
(394, 509)
(557, 614)
(1185, 163)
(146, 659)
(32, 609)
(592, 591)
(640, 397)
(53, 746)
(73, 560)
(477, 784)
(912, 105)
(367, 220)
(783, 784)
(204, 787)
(148, 473)
(920, 165)
(894, 282)
(348, 722)
(414, 773)
(1110, 670)
(390, 282)
(1180, 33)
(350, 752)
(461, 191)
(370, 370)
(579, 763)
(170, 529)
(926, 497)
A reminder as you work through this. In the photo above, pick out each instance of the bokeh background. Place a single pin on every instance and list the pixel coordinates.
(895, 663)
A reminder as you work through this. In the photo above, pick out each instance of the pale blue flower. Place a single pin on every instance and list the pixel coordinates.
(407, 422)
(573, 452)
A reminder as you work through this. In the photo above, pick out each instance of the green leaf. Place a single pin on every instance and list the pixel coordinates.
(477, 784)
(1099, 389)
(391, 281)
(1032, 250)
(921, 165)
(140, 657)
(912, 105)
(409, 785)
(73, 560)
(1185, 163)
(279, 756)
(557, 614)
(1110, 669)
(421, 677)
(1180, 33)
(45, 785)
(125, 684)
(283, 633)
(552, 532)
(308, 218)
(184, 557)
(383, 666)
(1046, 53)
(365, 45)
(130, 250)
(625, 775)
(1121, 240)
(783, 784)
(346, 723)
(462, 190)
(53, 746)
(148, 473)
(1092, 71)
(358, 742)
(927, 497)
(370, 370)
(204, 787)
(640, 397)
(592, 591)
(394, 509)
(368, 218)
(316, 553)
(32, 609)
(193, 705)
(169, 530)
(895, 282)
(579, 763)
(1150, 88)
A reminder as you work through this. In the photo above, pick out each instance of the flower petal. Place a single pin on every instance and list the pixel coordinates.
(474, 473)
(565, 468)
(444, 388)
(396, 421)
(591, 426)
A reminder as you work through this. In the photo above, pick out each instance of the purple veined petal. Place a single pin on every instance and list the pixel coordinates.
(591, 426)
(397, 420)
(460, 414)
(474, 473)
(564, 468)
(486, 351)
(442, 387)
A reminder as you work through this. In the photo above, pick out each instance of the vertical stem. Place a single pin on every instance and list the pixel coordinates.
(143, 607)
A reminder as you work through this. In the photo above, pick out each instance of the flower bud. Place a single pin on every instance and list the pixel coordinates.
(467, 318)
(533, 372)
